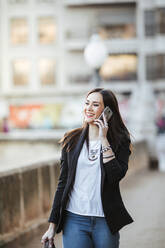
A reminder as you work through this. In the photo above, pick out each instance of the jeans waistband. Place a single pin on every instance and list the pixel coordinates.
(69, 213)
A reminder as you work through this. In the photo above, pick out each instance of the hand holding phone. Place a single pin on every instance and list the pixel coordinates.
(107, 112)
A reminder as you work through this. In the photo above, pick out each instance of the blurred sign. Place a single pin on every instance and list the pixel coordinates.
(35, 116)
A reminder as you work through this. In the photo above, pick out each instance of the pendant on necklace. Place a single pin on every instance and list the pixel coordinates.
(93, 154)
(93, 158)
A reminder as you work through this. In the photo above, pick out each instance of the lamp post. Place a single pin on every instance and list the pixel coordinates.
(95, 54)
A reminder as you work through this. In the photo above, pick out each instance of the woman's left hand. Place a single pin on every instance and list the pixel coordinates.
(103, 127)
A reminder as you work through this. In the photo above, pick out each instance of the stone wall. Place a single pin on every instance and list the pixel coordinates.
(26, 196)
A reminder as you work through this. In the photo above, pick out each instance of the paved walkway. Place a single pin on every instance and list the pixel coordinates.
(144, 194)
(144, 197)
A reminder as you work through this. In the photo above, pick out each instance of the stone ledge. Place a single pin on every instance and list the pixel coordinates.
(21, 237)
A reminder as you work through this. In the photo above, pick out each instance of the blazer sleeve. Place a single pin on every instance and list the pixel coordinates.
(55, 212)
(116, 168)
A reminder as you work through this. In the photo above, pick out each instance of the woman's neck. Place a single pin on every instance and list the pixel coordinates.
(93, 132)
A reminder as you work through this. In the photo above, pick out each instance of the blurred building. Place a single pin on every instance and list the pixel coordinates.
(42, 44)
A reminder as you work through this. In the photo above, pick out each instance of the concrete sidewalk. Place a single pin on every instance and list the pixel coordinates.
(144, 197)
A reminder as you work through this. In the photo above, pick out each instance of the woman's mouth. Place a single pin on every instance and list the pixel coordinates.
(89, 115)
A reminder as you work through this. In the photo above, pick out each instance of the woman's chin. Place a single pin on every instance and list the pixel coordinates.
(90, 121)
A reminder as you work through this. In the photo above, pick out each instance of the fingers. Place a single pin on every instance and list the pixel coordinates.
(46, 238)
(100, 123)
(105, 121)
(48, 243)
(51, 243)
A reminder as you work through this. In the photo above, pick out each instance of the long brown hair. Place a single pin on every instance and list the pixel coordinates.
(117, 130)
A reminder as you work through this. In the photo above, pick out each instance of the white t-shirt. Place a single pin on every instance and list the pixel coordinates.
(85, 197)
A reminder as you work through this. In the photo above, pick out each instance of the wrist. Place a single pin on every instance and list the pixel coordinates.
(104, 141)
(106, 148)
(52, 226)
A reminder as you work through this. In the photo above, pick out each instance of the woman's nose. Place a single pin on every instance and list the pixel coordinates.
(89, 107)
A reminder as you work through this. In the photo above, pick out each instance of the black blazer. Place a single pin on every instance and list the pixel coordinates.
(112, 172)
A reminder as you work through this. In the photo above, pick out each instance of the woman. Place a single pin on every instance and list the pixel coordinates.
(88, 207)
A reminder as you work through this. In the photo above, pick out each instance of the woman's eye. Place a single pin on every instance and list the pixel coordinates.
(95, 105)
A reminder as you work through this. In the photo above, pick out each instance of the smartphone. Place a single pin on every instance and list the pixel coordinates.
(107, 112)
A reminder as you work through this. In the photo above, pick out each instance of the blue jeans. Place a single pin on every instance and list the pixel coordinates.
(81, 231)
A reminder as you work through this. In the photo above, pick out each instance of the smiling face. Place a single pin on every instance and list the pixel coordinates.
(93, 107)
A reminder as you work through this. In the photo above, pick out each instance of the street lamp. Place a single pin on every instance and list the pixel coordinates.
(95, 54)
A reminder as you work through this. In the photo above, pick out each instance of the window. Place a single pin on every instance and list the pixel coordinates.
(155, 66)
(123, 31)
(161, 24)
(80, 78)
(151, 67)
(161, 66)
(47, 71)
(47, 30)
(21, 69)
(150, 22)
(19, 31)
(118, 21)
(120, 67)
(155, 21)
(80, 33)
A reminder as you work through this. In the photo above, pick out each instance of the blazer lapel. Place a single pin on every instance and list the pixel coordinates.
(74, 154)
(102, 171)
